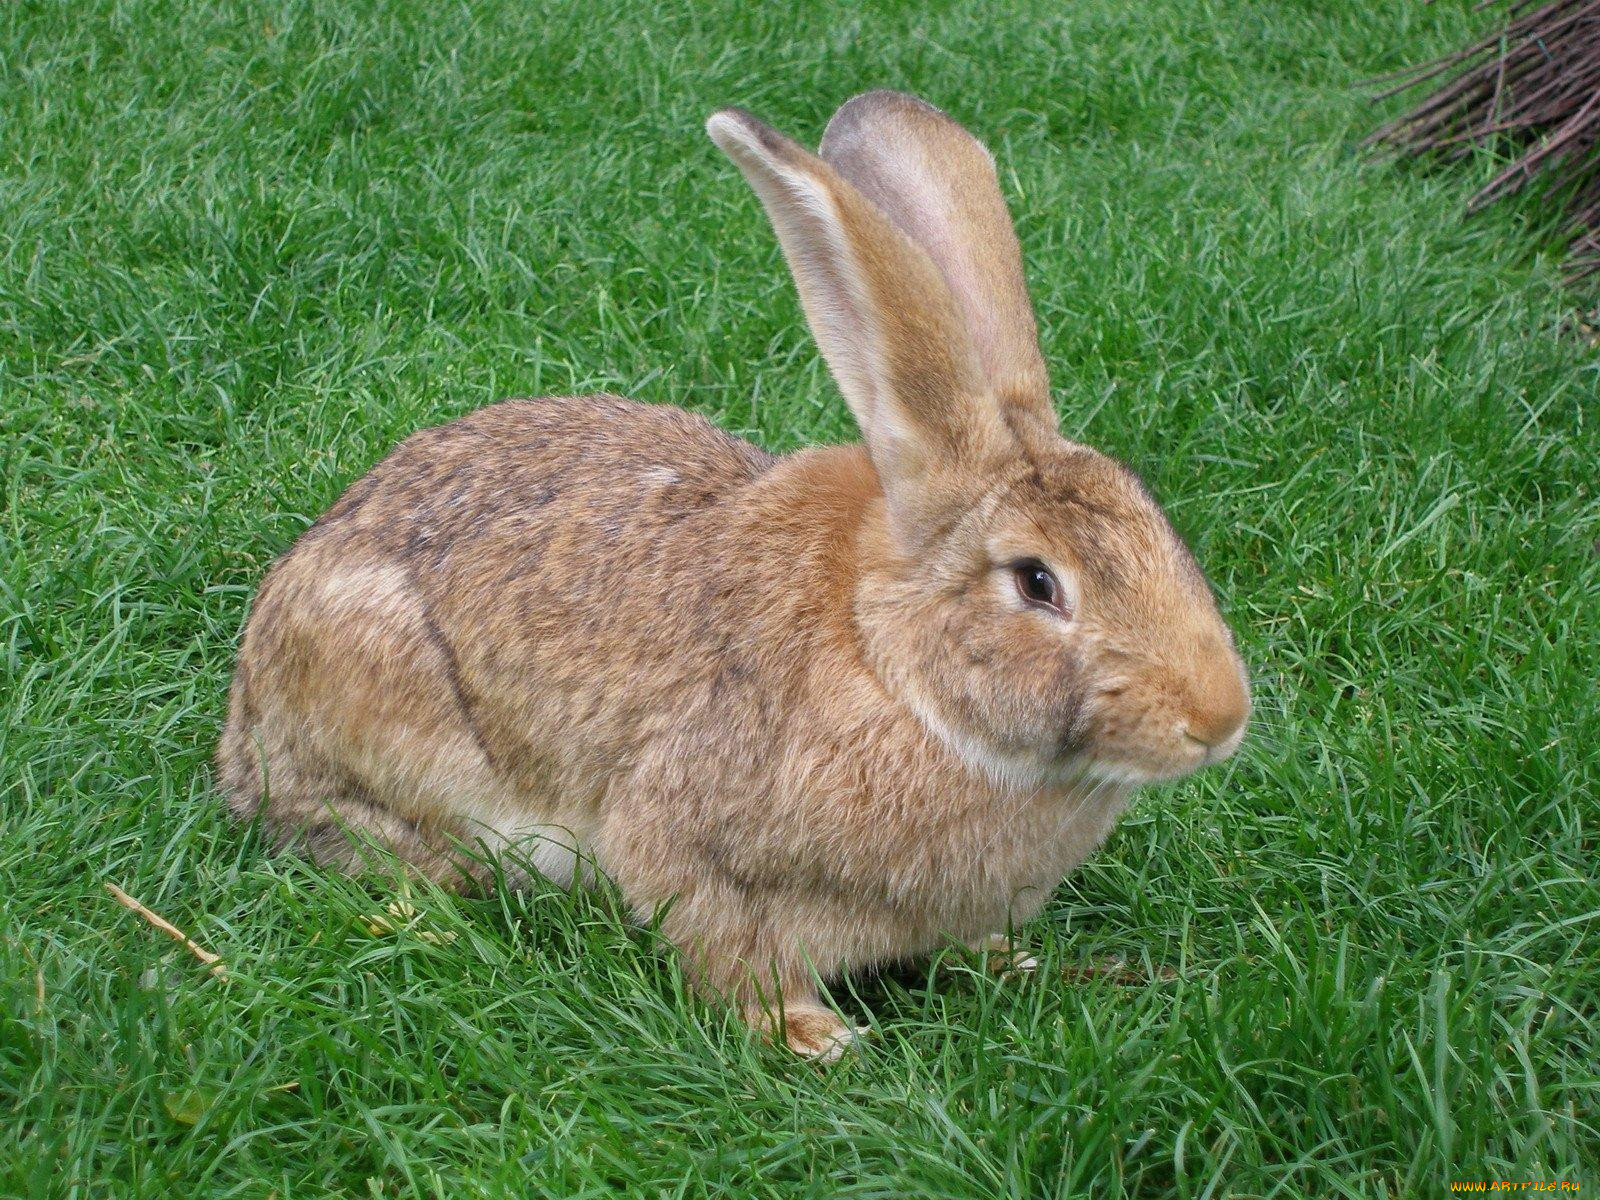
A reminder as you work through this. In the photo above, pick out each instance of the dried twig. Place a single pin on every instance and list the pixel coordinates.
(218, 967)
(1534, 85)
(1116, 971)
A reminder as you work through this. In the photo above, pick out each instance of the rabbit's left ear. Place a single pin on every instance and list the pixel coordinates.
(893, 335)
(937, 183)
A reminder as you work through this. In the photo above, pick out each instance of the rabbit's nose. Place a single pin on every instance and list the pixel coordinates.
(1219, 706)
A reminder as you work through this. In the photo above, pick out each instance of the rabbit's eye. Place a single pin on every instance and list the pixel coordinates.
(1037, 585)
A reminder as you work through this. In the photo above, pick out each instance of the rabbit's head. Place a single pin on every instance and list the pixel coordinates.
(1023, 594)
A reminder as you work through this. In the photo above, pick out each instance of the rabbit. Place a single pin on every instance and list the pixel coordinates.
(817, 713)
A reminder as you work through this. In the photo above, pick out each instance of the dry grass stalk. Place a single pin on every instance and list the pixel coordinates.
(167, 927)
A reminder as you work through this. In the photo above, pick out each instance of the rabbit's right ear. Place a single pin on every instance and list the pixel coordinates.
(887, 324)
(937, 183)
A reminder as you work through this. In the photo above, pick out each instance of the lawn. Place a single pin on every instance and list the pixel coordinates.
(244, 248)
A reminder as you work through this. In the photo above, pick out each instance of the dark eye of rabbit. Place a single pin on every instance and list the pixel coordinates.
(1037, 585)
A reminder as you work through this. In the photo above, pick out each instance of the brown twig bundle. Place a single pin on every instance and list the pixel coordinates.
(1535, 84)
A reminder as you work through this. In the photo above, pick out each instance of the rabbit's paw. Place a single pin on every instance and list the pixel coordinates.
(812, 1031)
(1005, 957)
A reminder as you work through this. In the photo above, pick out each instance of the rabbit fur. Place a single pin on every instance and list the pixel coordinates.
(824, 704)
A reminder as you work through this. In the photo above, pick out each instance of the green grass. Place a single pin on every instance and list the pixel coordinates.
(245, 248)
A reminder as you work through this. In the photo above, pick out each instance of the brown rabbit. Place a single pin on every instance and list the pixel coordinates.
(840, 707)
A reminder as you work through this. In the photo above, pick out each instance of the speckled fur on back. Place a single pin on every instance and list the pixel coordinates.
(810, 701)
(492, 528)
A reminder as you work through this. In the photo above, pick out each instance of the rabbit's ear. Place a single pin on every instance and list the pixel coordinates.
(937, 183)
(890, 330)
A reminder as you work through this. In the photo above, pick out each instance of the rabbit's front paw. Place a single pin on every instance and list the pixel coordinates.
(812, 1031)
(1005, 957)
